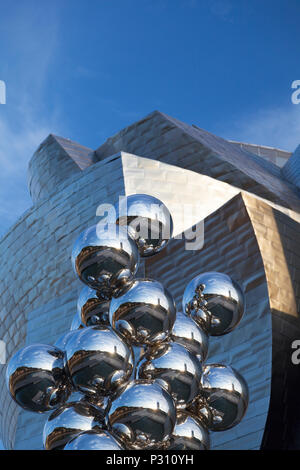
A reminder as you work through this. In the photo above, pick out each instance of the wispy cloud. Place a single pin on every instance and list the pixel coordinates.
(16, 148)
(275, 127)
(32, 43)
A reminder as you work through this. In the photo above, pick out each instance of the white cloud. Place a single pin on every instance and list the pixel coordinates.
(16, 148)
(18, 145)
(275, 127)
(32, 44)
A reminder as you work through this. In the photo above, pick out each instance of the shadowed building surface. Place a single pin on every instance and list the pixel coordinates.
(248, 205)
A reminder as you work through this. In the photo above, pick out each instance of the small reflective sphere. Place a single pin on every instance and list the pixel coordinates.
(91, 309)
(36, 378)
(175, 368)
(200, 409)
(226, 393)
(187, 333)
(143, 415)
(98, 360)
(217, 296)
(93, 440)
(105, 258)
(144, 313)
(189, 433)
(98, 402)
(68, 421)
(76, 323)
(149, 222)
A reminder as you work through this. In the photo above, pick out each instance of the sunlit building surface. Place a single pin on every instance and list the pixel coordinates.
(248, 199)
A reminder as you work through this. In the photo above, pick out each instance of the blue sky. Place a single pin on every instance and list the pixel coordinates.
(85, 70)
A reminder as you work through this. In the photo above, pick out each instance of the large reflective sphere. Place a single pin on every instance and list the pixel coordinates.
(143, 415)
(149, 221)
(98, 360)
(187, 333)
(93, 440)
(189, 433)
(36, 378)
(217, 295)
(144, 313)
(90, 309)
(175, 368)
(105, 258)
(227, 395)
(68, 421)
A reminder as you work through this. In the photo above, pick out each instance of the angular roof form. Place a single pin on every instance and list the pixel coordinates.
(166, 139)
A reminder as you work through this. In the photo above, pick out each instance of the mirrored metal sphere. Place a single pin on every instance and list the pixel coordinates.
(105, 258)
(200, 409)
(218, 296)
(149, 220)
(226, 393)
(96, 401)
(174, 367)
(76, 323)
(98, 360)
(68, 421)
(93, 440)
(144, 313)
(100, 403)
(187, 333)
(143, 415)
(189, 433)
(91, 309)
(36, 378)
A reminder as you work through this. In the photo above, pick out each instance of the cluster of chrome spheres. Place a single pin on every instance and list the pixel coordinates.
(131, 373)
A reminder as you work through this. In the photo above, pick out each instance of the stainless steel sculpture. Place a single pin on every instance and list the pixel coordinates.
(98, 360)
(226, 393)
(187, 333)
(149, 222)
(68, 421)
(143, 415)
(189, 433)
(144, 313)
(160, 396)
(36, 378)
(175, 368)
(91, 309)
(105, 258)
(215, 295)
(93, 440)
